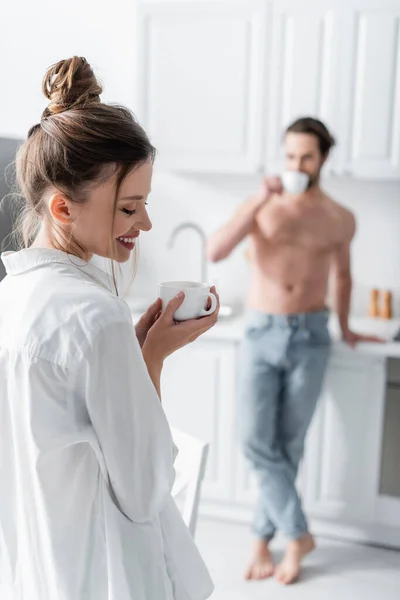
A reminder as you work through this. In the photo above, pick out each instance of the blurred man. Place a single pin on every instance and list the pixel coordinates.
(296, 238)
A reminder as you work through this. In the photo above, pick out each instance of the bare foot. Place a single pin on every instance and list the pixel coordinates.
(261, 566)
(288, 570)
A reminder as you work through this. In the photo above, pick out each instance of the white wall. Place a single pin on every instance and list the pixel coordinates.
(36, 34)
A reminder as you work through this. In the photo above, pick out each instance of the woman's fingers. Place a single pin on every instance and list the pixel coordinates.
(198, 326)
(153, 309)
(148, 318)
(214, 291)
(172, 307)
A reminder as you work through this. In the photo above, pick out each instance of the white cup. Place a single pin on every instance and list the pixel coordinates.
(295, 182)
(196, 297)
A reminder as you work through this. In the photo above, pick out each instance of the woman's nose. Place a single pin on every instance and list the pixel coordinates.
(146, 224)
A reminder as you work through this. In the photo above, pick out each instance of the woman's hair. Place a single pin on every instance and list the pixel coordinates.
(314, 127)
(78, 143)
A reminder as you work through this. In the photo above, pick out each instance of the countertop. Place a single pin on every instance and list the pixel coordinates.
(232, 331)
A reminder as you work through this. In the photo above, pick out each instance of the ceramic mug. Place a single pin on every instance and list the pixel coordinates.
(196, 297)
(295, 182)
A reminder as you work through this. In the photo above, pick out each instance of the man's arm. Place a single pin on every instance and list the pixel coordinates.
(343, 285)
(223, 241)
(343, 281)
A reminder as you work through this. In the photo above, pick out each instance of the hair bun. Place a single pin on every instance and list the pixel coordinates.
(70, 84)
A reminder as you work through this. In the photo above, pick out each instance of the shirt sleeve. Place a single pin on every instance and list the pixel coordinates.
(128, 420)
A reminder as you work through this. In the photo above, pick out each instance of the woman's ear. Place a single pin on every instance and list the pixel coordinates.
(60, 209)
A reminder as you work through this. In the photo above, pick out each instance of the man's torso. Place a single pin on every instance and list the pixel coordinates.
(291, 251)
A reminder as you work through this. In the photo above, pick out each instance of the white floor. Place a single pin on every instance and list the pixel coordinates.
(335, 571)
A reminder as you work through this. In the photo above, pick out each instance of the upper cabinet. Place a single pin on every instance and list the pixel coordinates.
(220, 80)
(370, 133)
(304, 70)
(202, 76)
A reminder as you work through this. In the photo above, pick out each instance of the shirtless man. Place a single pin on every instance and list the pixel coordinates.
(294, 243)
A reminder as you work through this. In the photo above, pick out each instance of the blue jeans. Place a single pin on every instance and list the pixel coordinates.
(282, 367)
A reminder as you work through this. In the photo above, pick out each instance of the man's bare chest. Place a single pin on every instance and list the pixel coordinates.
(315, 230)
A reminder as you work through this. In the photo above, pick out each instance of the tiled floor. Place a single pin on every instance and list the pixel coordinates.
(335, 571)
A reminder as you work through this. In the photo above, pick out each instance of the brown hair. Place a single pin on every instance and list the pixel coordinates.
(78, 143)
(314, 127)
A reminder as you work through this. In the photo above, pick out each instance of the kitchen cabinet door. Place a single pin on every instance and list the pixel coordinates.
(201, 82)
(198, 397)
(387, 504)
(304, 70)
(342, 459)
(370, 93)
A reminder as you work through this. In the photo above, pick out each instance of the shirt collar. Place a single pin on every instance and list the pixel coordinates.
(31, 258)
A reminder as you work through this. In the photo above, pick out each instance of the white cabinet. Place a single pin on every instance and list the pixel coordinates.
(198, 395)
(304, 69)
(201, 82)
(387, 505)
(370, 93)
(342, 460)
(341, 477)
(220, 80)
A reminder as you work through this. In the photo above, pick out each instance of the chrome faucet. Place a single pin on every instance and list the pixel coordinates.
(203, 238)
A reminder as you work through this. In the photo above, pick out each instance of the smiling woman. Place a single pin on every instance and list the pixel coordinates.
(86, 452)
(76, 163)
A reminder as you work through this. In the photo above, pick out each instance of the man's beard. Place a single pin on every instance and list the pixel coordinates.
(314, 181)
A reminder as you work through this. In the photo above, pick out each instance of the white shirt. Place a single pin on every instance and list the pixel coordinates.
(86, 454)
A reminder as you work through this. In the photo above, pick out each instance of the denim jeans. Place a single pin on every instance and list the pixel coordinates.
(282, 367)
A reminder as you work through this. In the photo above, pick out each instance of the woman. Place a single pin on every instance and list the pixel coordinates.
(86, 455)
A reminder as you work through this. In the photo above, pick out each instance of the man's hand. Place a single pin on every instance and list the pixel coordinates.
(270, 186)
(147, 321)
(242, 224)
(352, 338)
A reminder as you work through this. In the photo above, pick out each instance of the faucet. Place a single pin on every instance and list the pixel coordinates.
(203, 238)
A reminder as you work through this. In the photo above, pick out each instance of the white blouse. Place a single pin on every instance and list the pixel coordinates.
(86, 454)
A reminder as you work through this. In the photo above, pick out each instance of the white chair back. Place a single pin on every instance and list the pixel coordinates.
(190, 466)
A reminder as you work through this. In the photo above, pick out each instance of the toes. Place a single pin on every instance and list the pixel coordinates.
(267, 571)
(286, 576)
(258, 572)
(286, 579)
(281, 574)
(249, 574)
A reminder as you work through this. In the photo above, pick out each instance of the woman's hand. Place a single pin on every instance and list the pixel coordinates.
(166, 335)
(147, 321)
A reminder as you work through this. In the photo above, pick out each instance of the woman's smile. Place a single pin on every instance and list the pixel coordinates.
(128, 241)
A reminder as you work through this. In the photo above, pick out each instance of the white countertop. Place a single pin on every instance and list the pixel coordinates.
(232, 331)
